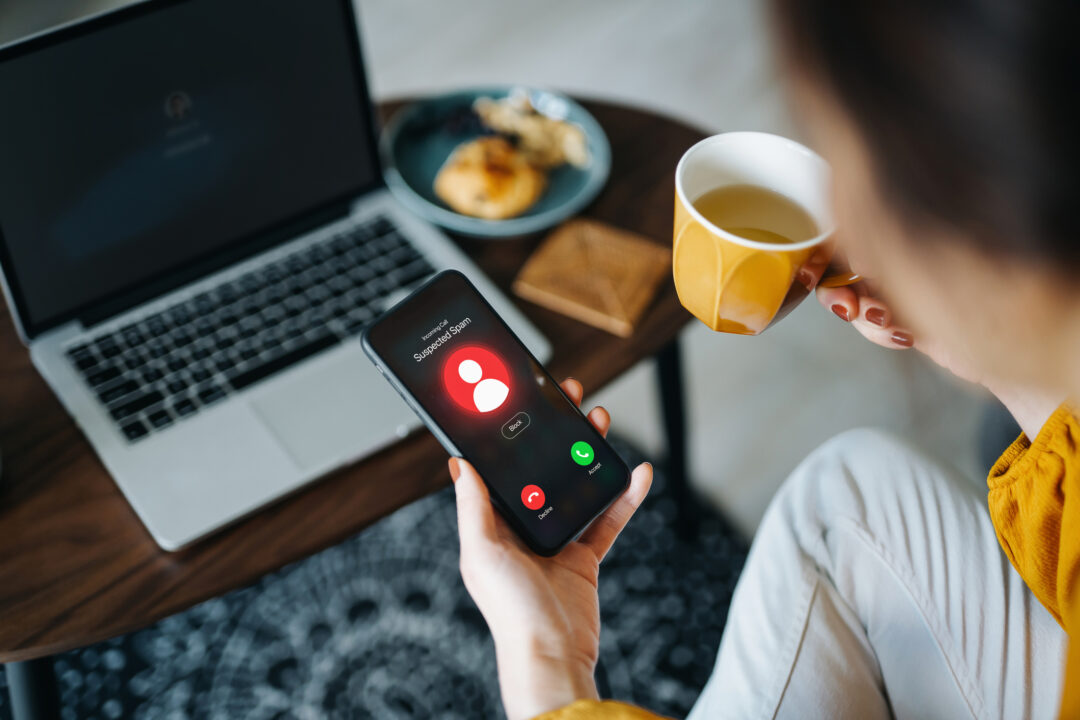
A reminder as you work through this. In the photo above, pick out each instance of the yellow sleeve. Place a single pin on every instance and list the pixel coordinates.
(1070, 699)
(598, 710)
(1034, 503)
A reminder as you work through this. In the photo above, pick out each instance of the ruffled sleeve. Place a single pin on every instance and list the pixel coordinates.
(1034, 500)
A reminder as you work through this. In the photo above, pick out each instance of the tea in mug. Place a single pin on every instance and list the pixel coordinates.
(751, 230)
(756, 213)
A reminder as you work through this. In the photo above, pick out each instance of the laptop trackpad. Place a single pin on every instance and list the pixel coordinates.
(332, 409)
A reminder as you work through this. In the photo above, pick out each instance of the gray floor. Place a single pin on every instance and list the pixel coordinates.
(758, 405)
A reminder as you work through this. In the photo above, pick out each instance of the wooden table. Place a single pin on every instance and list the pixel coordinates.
(77, 567)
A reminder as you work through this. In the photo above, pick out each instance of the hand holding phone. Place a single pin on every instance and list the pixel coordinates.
(487, 399)
(544, 465)
(543, 613)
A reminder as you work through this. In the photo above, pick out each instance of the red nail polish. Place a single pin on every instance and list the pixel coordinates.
(455, 469)
(876, 316)
(805, 278)
(903, 339)
(841, 312)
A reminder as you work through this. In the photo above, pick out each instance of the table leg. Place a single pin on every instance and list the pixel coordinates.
(33, 690)
(673, 405)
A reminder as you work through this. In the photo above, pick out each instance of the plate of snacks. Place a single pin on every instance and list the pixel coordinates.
(495, 162)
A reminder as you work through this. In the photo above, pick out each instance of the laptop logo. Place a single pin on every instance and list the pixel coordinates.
(177, 105)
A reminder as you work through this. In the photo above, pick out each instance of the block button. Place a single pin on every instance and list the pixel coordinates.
(515, 425)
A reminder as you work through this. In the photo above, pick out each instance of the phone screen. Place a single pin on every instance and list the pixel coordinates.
(487, 399)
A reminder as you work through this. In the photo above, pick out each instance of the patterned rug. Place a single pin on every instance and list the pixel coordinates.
(381, 627)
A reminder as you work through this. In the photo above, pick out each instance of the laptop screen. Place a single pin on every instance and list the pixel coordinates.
(139, 143)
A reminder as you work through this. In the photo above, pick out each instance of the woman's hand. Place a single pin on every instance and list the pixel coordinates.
(870, 316)
(858, 305)
(543, 613)
(1031, 407)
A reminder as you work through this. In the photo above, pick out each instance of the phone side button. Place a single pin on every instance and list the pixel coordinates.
(515, 425)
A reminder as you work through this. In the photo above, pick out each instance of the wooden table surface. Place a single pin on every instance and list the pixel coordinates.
(77, 567)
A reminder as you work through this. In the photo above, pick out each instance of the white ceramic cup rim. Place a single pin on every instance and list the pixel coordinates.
(790, 145)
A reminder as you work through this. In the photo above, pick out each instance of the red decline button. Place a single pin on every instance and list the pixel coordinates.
(533, 497)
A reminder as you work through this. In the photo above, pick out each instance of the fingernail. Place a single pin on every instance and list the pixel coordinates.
(455, 468)
(841, 312)
(805, 278)
(903, 339)
(876, 316)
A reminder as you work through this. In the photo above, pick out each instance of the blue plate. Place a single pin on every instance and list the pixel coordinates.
(420, 137)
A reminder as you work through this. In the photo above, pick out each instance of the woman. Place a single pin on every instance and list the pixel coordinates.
(878, 585)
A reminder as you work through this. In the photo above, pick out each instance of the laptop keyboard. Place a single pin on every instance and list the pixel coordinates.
(155, 372)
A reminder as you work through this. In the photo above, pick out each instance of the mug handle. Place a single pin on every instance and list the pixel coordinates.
(840, 278)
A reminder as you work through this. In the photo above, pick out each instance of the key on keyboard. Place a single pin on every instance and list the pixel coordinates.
(166, 367)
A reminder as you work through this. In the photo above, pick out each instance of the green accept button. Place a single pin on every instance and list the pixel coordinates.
(582, 452)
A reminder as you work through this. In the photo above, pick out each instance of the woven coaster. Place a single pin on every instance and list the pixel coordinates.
(595, 273)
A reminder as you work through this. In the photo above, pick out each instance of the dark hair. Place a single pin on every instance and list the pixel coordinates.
(970, 109)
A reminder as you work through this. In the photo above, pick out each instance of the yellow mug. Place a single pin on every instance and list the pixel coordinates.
(729, 282)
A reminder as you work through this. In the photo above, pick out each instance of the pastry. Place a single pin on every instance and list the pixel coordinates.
(545, 141)
(489, 178)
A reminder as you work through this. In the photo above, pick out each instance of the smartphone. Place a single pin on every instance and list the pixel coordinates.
(487, 399)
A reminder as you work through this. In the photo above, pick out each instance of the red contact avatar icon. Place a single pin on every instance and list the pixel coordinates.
(533, 497)
(476, 379)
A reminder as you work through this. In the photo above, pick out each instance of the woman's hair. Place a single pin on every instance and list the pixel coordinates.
(970, 109)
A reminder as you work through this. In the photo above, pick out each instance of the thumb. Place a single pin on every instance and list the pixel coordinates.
(600, 536)
(476, 516)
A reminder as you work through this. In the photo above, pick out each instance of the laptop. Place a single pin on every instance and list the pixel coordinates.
(194, 231)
